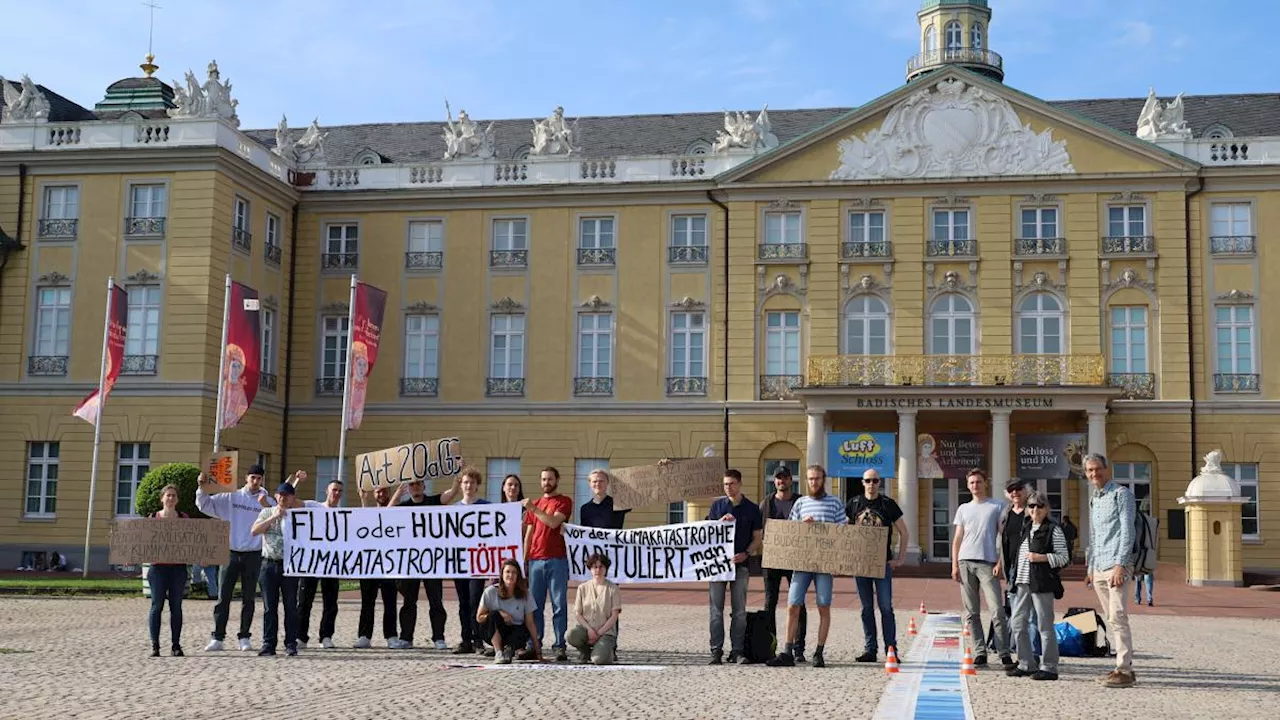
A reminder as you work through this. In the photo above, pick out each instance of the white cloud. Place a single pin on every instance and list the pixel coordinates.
(1136, 34)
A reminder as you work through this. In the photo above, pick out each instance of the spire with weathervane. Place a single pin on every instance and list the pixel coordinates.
(954, 32)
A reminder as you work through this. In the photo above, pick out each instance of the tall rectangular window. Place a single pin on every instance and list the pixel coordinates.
(273, 230)
(333, 361)
(950, 225)
(1039, 223)
(510, 235)
(133, 461)
(507, 347)
(1233, 325)
(268, 320)
(595, 345)
(688, 345)
(689, 231)
(327, 472)
(1247, 475)
(866, 227)
(1127, 221)
(782, 228)
(343, 240)
(147, 201)
(595, 233)
(53, 321)
(421, 346)
(426, 236)
(1230, 220)
(240, 215)
(42, 480)
(582, 468)
(143, 337)
(782, 343)
(496, 470)
(61, 203)
(1129, 339)
(1134, 475)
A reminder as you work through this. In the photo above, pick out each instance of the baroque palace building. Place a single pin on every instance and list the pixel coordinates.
(956, 262)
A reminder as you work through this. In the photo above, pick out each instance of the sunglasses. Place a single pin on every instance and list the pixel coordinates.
(871, 480)
(1036, 505)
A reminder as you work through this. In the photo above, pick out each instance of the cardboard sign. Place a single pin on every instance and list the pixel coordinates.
(223, 468)
(178, 541)
(647, 485)
(846, 550)
(407, 463)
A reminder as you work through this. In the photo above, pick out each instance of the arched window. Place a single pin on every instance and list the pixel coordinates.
(930, 39)
(975, 36)
(951, 325)
(1040, 325)
(866, 326)
(955, 35)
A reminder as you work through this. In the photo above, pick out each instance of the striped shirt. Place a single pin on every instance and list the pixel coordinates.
(1111, 534)
(1058, 559)
(827, 509)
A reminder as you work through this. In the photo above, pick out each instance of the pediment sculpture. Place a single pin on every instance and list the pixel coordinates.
(461, 139)
(307, 149)
(952, 129)
(741, 131)
(1162, 122)
(210, 100)
(553, 136)
(25, 105)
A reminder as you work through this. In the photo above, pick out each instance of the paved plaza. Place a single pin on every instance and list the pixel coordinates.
(87, 658)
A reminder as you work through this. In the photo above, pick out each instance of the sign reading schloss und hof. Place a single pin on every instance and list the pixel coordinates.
(179, 541)
(689, 552)
(1015, 402)
(1057, 456)
(845, 550)
(410, 462)
(647, 485)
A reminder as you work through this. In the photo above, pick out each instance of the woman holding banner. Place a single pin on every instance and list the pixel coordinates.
(506, 616)
(167, 580)
(372, 588)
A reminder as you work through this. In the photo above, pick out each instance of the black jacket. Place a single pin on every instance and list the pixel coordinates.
(1044, 578)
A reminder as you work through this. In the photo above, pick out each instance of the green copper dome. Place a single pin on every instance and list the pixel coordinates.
(930, 4)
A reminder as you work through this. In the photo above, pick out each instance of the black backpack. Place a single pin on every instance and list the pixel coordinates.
(761, 641)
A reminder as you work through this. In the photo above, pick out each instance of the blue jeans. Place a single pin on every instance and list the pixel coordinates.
(882, 590)
(550, 574)
(1150, 581)
(800, 580)
(277, 587)
(167, 581)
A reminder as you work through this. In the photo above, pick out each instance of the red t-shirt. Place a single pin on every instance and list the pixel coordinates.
(548, 543)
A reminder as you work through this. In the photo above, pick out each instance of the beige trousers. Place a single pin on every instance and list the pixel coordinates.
(1114, 602)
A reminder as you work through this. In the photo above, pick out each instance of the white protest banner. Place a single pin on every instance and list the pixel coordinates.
(409, 462)
(453, 541)
(689, 552)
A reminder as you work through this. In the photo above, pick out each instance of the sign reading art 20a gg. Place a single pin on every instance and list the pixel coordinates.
(409, 463)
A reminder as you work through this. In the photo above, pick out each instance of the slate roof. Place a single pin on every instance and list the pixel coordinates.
(1254, 115)
(60, 109)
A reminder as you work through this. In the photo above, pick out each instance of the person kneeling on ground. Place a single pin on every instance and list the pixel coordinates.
(596, 607)
(506, 616)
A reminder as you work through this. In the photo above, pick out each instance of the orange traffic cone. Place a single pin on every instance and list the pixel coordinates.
(891, 661)
(966, 665)
(922, 610)
(965, 633)
(911, 626)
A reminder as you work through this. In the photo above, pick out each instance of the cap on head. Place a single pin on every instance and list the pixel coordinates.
(256, 470)
(781, 472)
(285, 489)
(1014, 484)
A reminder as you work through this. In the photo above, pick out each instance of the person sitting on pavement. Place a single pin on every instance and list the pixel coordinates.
(506, 616)
(596, 607)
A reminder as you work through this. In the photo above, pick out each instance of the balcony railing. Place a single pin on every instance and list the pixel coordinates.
(779, 387)
(47, 365)
(1235, 383)
(508, 258)
(866, 250)
(686, 386)
(1028, 247)
(423, 260)
(979, 370)
(267, 382)
(337, 262)
(687, 254)
(139, 365)
(593, 386)
(952, 248)
(504, 387)
(419, 387)
(971, 56)
(1233, 245)
(782, 251)
(597, 256)
(271, 253)
(144, 227)
(58, 228)
(1134, 386)
(329, 386)
(1128, 245)
(242, 239)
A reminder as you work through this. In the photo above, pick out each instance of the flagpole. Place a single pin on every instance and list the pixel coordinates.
(97, 425)
(222, 366)
(346, 380)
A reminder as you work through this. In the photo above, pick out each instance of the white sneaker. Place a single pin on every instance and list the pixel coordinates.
(442, 645)
(326, 643)
(361, 643)
(301, 645)
(213, 646)
(244, 645)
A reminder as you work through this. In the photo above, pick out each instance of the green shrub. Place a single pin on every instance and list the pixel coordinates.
(183, 475)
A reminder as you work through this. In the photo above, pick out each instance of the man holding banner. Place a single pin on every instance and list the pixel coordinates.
(434, 586)
(549, 558)
(748, 527)
(276, 586)
(878, 510)
(240, 509)
(328, 586)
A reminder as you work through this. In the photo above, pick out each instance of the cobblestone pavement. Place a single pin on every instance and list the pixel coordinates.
(87, 658)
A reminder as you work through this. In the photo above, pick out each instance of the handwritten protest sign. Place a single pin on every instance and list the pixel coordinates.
(453, 541)
(647, 485)
(849, 550)
(689, 552)
(178, 541)
(407, 463)
(224, 469)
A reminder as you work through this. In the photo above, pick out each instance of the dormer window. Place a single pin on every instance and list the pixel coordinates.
(368, 157)
(955, 35)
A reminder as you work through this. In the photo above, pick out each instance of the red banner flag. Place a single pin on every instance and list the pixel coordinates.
(243, 355)
(366, 331)
(117, 328)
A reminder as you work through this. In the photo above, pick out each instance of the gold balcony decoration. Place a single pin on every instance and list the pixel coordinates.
(936, 370)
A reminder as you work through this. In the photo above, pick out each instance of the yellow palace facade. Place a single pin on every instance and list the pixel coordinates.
(956, 264)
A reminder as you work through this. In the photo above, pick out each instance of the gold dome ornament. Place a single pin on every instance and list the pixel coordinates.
(148, 67)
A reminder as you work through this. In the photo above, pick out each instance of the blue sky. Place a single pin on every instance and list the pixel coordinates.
(396, 60)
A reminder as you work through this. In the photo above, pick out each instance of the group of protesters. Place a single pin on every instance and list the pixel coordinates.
(504, 618)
